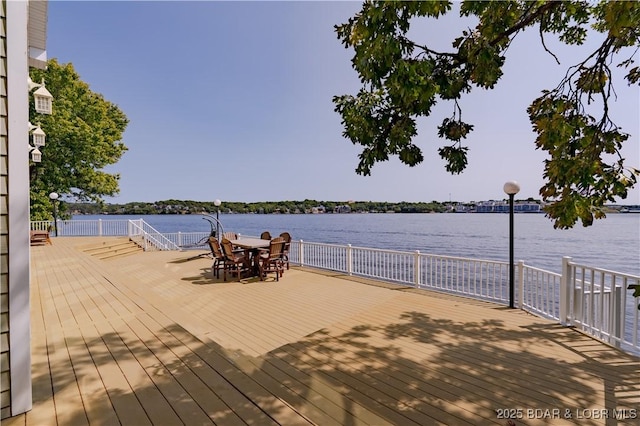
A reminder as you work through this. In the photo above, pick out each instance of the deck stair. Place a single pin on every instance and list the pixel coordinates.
(112, 248)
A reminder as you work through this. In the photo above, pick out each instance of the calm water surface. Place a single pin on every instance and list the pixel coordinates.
(612, 243)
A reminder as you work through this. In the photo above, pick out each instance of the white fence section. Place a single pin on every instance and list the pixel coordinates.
(148, 238)
(597, 301)
(189, 240)
(137, 230)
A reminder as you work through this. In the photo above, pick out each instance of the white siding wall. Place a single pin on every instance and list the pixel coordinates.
(15, 210)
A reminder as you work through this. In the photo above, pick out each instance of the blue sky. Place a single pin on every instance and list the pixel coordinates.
(232, 100)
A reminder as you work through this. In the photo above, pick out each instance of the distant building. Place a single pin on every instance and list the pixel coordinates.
(342, 209)
(527, 207)
(492, 206)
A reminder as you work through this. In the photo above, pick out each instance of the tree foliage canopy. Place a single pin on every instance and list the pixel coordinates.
(83, 137)
(402, 80)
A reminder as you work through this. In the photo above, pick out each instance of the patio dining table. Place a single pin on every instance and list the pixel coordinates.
(252, 245)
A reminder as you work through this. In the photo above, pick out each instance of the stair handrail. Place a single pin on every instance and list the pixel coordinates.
(150, 236)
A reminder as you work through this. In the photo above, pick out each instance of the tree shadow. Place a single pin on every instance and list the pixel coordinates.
(464, 372)
(415, 370)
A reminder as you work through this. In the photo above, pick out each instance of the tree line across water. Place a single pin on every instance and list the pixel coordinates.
(264, 207)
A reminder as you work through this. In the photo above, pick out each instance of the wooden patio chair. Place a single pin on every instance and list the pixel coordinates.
(287, 245)
(233, 261)
(39, 237)
(271, 260)
(266, 235)
(218, 256)
(230, 235)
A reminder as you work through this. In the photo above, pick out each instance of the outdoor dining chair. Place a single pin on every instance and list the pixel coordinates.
(237, 262)
(271, 260)
(266, 235)
(230, 235)
(218, 256)
(285, 251)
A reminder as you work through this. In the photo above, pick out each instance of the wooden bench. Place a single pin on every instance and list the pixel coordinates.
(39, 237)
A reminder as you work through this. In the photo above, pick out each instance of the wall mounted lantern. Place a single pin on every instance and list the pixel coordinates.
(43, 99)
(36, 155)
(39, 136)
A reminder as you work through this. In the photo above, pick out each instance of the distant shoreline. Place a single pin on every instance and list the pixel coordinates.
(186, 207)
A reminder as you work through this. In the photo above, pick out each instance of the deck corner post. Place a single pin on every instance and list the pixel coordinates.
(100, 227)
(565, 292)
(301, 253)
(416, 268)
(520, 284)
(349, 260)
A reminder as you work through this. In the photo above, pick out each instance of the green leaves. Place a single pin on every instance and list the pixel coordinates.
(369, 120)
(579, 180)
(83, 137)
(403, 80)
(456, 158)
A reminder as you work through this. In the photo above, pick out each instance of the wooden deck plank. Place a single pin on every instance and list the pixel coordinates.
(66, 393)
(97, 404)
(503, 340)
(234, 395)
(173, 396)
(179, 360)
(142, 343)
(158, 335)
(153, 402)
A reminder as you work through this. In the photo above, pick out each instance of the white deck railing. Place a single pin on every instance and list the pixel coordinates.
(138, 230)
(147, 237)
(594, 299)
(597, 301)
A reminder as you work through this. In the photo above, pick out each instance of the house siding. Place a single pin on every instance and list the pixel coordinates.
(16, 28)
(5, 375)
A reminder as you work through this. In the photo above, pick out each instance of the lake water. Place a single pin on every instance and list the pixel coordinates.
(612, 243)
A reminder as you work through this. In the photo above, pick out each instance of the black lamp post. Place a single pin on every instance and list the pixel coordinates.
(511, 188)
(217, 203)
(54, 197)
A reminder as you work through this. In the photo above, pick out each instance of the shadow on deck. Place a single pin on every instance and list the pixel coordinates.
(154, 339)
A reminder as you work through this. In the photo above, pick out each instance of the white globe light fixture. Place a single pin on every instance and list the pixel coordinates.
(511, 188)
(217, 203)
(54, 196)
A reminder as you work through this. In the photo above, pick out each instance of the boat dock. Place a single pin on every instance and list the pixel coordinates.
(154, 338)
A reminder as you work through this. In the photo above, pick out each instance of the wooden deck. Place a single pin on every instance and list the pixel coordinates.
(152, 338)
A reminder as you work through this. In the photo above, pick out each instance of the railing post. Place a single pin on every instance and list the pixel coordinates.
(565, 291)
(520, 284)
(416, 268)
(301, 253)
(100, 227)
(179, 238)
(349, 260)
(616, 312)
